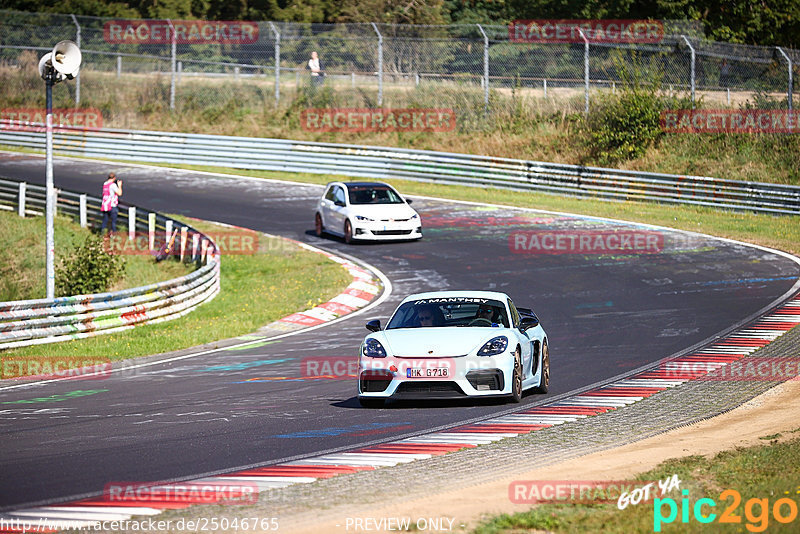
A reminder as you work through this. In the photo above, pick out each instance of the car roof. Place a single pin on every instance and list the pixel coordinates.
(361, 184)
(494, 295)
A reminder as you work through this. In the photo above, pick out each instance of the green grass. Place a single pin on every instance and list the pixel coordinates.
(255, 290)
(762, 472)
(22, 257)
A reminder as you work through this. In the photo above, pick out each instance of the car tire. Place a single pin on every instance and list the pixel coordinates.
(367, 402)
(516, 378)
(319, 229)
(348, 232)
(544, 381)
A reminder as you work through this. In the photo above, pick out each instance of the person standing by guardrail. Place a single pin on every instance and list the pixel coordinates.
(112, 190)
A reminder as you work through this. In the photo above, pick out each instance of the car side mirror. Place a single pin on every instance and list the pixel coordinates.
(409, 201)
(374, 325)
(528, 322)
(338, 203)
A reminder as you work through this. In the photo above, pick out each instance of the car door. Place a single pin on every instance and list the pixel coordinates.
(326, 206)
(524, 341)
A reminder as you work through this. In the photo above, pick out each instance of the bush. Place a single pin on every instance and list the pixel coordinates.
(88, 269)
(625, 127)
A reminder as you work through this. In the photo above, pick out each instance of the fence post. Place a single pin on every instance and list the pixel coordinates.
(277, 63)
(151, 229)
(78, 77)
(485, 68)
(168, 230)
(203, 250)
(544, 86)
(692, 71)
(353, 80)
(416, 79)
(82, 211)
(791, 81)
(132, 223)
(119, 66)
(380, 63)
(180, 70)
(21, 208)
(585, 71)
(195, 244)
(184, 231)
(173, 70)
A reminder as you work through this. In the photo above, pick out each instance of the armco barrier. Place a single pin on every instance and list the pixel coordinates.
(419, 165)
(34, 322)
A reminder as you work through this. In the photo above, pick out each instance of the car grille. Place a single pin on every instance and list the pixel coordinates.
(391, 232)
(375, 381)
(486, 379)
(395, 220)
(429, 389)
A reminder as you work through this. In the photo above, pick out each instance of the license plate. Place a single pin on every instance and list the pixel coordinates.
(434, 372)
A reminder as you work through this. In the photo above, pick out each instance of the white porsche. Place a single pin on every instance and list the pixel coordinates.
(454, 344)
(366, 211)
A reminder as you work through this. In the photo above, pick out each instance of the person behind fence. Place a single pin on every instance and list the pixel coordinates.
(317, 71)
(112, 190)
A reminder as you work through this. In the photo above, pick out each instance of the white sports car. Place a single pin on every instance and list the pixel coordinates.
(366, 210)
(454, 344)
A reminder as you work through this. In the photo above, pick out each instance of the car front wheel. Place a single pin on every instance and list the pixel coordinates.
(516, 379)
(348, 232)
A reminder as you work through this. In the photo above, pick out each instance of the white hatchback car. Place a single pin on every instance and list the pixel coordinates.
(366, 211)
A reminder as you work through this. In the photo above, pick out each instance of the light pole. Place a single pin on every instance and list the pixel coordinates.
(60, 64)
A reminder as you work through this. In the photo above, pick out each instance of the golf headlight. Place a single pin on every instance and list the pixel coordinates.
(362, 218)
(373, 349)
(496, 345)
(415, 216)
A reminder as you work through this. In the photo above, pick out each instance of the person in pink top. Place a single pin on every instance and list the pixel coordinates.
(112, 190)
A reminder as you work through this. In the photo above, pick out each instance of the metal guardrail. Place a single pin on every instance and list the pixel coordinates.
(34, 322)
(419, 165)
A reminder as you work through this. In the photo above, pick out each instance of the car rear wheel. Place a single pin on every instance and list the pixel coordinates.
(516, 380)
(366, 402)
(318, 228)
(544, 382)
(348, 232)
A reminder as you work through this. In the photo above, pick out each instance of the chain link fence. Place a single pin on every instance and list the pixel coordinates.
(479, 71)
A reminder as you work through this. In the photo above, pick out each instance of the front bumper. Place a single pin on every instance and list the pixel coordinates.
(387, 231)
(486, 377)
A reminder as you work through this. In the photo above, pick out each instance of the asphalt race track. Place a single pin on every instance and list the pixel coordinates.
(605, 314)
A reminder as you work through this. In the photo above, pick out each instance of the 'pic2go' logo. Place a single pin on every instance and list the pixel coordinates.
(756, 511)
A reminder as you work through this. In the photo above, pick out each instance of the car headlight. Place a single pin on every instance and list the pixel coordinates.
(362, 218)
(496, 345)
(373, 349)
(415, 216)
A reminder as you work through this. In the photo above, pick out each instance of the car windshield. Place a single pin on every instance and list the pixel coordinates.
(373, 194)
(449, 311)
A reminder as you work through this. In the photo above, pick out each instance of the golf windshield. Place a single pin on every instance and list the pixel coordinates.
(363, 194)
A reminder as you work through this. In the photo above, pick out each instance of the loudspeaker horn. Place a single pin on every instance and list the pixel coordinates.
(66, 58)
(45, 63)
